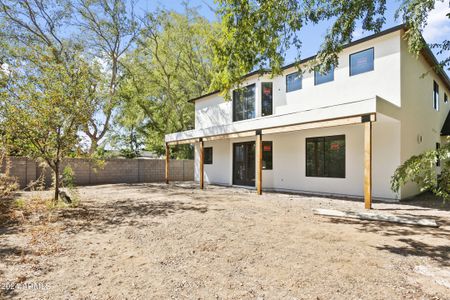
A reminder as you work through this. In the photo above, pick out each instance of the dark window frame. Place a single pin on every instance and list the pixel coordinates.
(301, 82)
(208, 158)
(350, 61)
(323, 163)
(435, 95)
(267, 156)
(445, 98)
(316, 72)
(264, 113)
(242, 90)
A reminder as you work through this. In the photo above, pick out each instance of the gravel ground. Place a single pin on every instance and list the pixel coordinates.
(152, 241)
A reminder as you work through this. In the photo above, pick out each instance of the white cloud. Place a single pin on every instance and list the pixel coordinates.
(438, 27)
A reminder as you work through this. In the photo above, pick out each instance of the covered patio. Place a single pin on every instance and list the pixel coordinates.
(362, 112)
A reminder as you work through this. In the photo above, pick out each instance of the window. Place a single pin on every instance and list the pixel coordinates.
(267, 155)
(293, 82)
(435, 95)
(438, 160)
(445, 98)
(244, 103)
(325, 156)
(361, 62)
(266, 98)
(208, 155)
(322, 78)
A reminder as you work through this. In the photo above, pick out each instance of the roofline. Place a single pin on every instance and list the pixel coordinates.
(263, 71)
(203, 96)
(429, 55)
(361, 40)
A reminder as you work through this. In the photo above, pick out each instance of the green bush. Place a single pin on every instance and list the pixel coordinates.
(422, 170)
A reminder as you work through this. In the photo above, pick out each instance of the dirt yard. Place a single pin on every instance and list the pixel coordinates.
(152, 241)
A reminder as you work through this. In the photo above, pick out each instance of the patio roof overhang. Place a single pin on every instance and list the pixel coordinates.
(356, 112)
(336, 115)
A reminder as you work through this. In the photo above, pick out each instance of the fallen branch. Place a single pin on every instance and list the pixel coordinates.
(410, 220)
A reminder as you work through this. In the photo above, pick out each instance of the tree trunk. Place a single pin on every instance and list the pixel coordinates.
(56, 171)
(94, 146)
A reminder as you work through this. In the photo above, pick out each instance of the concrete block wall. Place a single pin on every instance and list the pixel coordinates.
(113, 171)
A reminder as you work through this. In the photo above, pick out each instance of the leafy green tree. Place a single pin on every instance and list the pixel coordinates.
(172, 63)
(44, 107)
(46, 84)
(257, 33)
(421, 169)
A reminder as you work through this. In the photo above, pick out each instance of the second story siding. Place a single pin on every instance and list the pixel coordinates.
(382, 81)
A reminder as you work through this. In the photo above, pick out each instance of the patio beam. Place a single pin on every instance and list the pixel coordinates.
(230, 136)
(368, 165)
(167, 162)
(259, 162)
(202, 165)
(183, 142)
(322, 124)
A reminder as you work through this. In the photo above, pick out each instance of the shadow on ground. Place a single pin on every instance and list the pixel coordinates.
(438, 253)
(405, 234)
(101, 217)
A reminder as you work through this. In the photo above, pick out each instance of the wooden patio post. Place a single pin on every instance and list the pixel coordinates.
(368, 165)
(167, 162)
(202, 159)
(259, 152)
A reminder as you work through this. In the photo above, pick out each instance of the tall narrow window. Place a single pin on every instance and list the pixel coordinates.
(208, 155)
(445, 98)
(325, 156)
(293, 82)
(361, 62)
(322, 78)
(438, 159)
(244, 103)
(435, 95)
(267, 155)
(266, 98)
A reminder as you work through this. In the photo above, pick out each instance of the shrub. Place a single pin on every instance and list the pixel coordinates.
(422, 170)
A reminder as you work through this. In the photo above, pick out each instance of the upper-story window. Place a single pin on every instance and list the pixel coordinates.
(266, 98)
(435, 95)
(244, 103)
(322, 78)
(361, 62)
(445, 98)
(293, 82)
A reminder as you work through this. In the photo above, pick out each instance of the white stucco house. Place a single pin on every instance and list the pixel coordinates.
(341, 133)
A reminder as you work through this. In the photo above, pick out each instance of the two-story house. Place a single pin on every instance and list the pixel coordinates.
(339, 133)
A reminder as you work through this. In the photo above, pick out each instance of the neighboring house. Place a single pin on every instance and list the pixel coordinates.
(340, 133)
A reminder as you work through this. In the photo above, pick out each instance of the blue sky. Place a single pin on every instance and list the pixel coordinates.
(437, 29)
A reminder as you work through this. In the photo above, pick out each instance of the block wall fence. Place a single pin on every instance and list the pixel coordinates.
(113, 171)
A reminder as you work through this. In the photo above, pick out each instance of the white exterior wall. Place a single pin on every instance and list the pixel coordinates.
(289, 158)
(383, 81)
(397, 78)
(418, 117)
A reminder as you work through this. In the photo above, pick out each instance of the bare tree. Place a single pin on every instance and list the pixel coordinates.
(110, 30)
